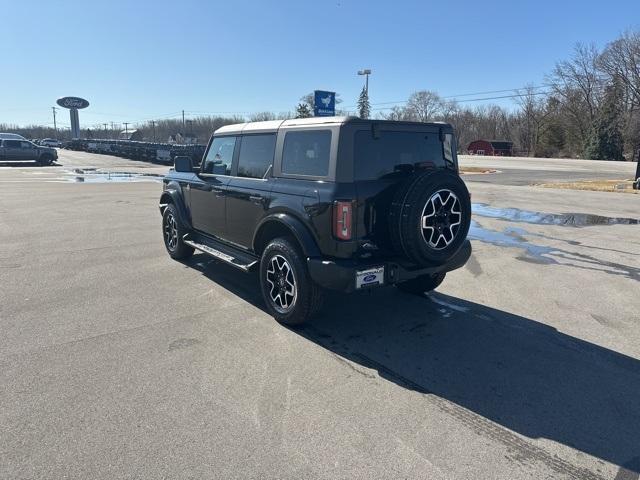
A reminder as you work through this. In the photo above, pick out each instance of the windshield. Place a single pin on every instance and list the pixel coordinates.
(390, 153)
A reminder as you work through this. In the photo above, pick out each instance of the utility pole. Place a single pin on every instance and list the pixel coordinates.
(153, 125)
(105, 129)
(55, 127)
(126, 130)
(183, 132)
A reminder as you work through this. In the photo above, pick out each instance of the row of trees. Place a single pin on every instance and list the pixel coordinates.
(589, 107)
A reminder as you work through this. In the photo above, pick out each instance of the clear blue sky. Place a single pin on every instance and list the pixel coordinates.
(140, 60)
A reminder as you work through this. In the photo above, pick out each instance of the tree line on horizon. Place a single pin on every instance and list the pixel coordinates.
(589, 108)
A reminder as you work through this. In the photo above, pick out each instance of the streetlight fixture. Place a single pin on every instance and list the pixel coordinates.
(366, 72)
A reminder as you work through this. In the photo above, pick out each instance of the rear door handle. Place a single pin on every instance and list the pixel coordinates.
(256, 199)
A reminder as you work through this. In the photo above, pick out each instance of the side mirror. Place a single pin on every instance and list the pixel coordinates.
(183, 164)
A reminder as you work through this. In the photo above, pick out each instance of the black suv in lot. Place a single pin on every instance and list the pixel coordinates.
(323, 203)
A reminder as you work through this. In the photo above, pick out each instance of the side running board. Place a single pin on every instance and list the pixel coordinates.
(221, 251)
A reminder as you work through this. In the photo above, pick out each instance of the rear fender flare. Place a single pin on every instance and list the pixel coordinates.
(298, 230)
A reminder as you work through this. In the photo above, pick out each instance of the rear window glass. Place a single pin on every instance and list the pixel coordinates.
(307, 153)
(395, 152)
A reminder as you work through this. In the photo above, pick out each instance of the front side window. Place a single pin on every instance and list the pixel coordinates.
(307, 153)
(220, 156)
(256, 155)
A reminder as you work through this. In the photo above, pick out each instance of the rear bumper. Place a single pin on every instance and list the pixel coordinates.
(341, 274)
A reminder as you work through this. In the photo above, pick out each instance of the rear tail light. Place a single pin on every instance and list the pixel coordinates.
(343, 220)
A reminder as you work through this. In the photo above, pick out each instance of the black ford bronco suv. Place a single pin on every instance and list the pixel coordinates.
(323, 203)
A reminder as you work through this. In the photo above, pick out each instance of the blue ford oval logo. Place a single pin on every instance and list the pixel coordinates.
(369, 278)
(72, 102)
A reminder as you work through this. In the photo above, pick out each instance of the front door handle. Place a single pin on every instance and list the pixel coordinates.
(257, 199)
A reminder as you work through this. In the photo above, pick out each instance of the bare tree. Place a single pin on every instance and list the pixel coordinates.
(262, 116)
(621, 59)
(424, 106)
(530, 120)
(578, 85)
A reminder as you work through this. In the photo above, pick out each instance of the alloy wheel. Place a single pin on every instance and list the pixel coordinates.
(171, 232)
(441, 219)
(282, 284)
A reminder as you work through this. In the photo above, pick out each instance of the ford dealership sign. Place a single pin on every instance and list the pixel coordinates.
(72, 102)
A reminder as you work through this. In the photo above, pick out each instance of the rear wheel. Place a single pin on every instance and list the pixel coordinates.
(289, 293)
(173, 231)
(422, 284)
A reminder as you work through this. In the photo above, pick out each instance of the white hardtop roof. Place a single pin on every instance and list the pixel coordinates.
(274, 125)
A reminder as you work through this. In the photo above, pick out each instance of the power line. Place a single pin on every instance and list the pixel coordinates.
(534, 87)
(483, 99)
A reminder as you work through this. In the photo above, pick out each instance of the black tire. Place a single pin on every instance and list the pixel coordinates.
(419, 285)
(172, 232)
(291, 296)
(444, 197)
(45, 160)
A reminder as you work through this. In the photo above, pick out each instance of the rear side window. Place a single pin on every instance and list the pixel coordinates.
(307, 153)
(256, 155)
(220, 156)
(13, 143)
(395, 152)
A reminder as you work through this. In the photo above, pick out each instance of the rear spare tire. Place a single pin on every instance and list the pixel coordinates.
(430, 216)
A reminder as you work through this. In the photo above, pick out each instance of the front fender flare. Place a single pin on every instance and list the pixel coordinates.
(172, 195)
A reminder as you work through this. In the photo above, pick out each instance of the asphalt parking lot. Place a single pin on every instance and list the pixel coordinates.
(118, 362)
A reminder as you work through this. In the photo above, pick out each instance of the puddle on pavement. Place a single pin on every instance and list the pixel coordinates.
(515, 237)
(569, 219)
(91, 175)
(511, 238)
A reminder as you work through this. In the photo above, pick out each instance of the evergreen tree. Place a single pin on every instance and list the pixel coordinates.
(606, 141)
(303, 110)
(364, 108)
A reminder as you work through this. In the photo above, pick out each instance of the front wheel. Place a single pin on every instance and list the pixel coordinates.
(172, 232)
(420, 285)
(289, 292)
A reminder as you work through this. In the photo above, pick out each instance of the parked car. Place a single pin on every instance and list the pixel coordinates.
(19, 150)
(323, 203)
(50, 142)
(11, 136)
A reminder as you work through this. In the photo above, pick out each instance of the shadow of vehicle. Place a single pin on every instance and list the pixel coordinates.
(506, 369)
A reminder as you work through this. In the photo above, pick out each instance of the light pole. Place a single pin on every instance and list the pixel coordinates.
(55, 127)
(366, 72)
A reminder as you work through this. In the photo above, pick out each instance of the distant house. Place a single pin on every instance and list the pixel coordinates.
(491, 147)
(131, 135)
